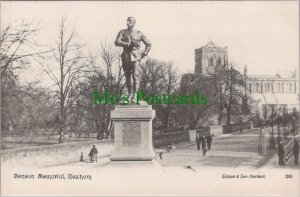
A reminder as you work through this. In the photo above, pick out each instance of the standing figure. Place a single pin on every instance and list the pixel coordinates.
(209, 141)
(93, 154)
(130, 39)
(296, 152)
(204, 146)
(198, 142)
(281, 153)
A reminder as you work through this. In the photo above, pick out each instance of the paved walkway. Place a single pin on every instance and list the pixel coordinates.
(228, 150)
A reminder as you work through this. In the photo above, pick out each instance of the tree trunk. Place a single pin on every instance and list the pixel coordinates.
(220, 117)
(61, 127)
(61, 133)
(228, 118)
(167, 117)
(272, 140)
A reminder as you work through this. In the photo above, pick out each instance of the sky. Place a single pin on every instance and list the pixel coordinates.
(262, 35)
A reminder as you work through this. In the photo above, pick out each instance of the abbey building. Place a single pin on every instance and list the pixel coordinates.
(280, 90)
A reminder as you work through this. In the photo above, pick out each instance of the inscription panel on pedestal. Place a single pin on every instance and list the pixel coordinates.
(131, 133)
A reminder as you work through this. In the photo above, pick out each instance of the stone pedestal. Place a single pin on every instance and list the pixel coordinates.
(132, 133)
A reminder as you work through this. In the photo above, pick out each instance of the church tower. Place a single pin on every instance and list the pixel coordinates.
(210, 57)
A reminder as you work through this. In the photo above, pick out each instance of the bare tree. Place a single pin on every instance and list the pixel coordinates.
(172, 79)
(233, 93)
(199, 113)
(153, 82)
(64, 68)
(106, 69)
(18, 48)
(152, 74)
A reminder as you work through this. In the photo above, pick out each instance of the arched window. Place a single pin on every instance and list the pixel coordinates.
(272, 86)
(290, 87)
(211, 62)
(257, 87)
(268, 87)
(282, 87)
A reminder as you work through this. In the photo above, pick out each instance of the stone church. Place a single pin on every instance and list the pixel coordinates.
(280, 89)
(209, 57)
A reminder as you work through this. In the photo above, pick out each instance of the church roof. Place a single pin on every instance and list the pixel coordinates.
(285, 74)
(263, 76)
(275, 77)
(211, 45)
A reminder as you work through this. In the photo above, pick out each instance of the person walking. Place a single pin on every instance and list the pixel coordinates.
(281, 153)
(93, 154)
(209, 141)
(296, 152)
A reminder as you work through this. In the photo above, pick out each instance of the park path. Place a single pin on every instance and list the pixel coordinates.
(227, 150)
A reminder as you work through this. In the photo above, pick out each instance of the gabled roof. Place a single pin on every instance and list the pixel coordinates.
(263, 76)
(211, 45)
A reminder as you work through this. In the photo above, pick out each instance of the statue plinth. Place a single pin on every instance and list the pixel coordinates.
(133, 133)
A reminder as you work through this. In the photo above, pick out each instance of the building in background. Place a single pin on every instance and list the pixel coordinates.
(209, 57)
(280, 90)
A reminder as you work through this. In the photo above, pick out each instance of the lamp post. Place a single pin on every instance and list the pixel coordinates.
(294, 127)
(279, 119)
(221, 82)
(271, 121)
(241, 123)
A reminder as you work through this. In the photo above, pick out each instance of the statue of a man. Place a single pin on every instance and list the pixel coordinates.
(130, 40)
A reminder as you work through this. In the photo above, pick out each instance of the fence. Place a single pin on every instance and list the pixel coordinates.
(166, 139)
(235, 127)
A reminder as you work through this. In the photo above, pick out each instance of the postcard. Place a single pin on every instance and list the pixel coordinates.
(150, 98)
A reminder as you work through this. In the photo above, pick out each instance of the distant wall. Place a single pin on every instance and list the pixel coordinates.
(235, 127)
(55, 154)
(216, 130)
(166, 139)
(192, 135)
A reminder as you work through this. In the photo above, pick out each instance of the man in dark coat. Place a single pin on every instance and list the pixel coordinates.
(93, 154)
(281, 153)
(296, 152)
(198, 140)
(204, 146)
(209, 141)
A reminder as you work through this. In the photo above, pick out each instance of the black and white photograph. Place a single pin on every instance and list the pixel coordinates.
(149, 98)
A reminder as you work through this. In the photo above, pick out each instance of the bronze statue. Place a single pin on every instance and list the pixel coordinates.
(130, 39)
